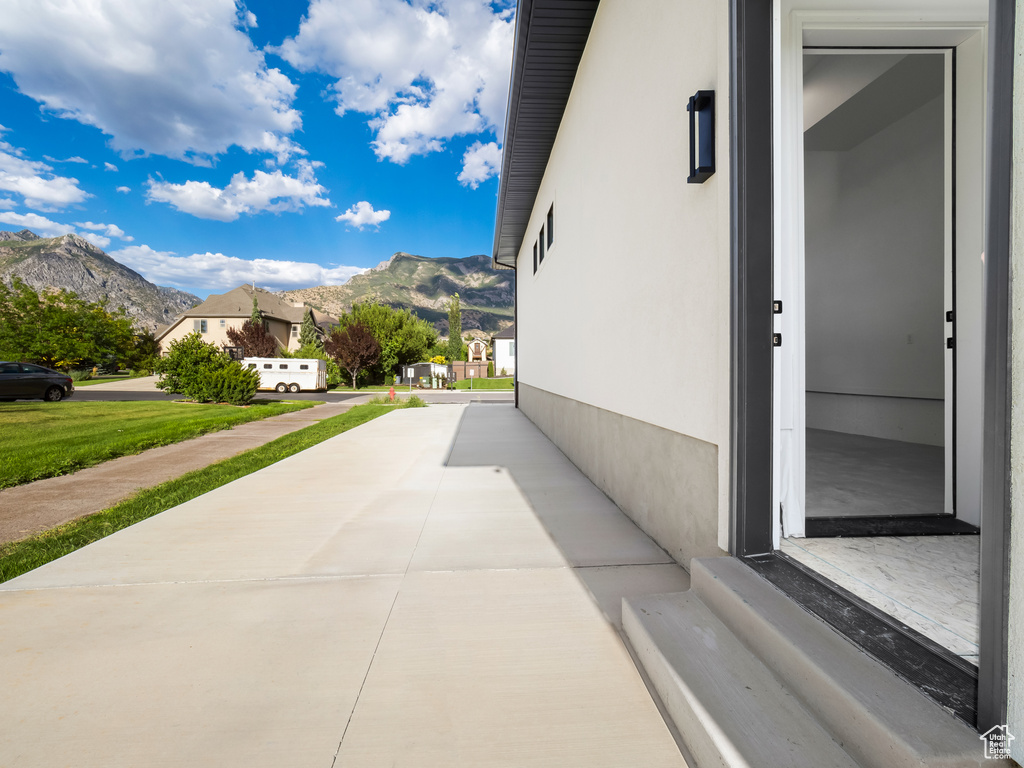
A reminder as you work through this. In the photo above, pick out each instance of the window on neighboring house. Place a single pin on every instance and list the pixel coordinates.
(541, 241)
(551, 225)
(223, 322)
(295, 331)
(199, 325)
(512, 349)
(535, 258)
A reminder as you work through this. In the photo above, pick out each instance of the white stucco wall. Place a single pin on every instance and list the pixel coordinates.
(640, 258)
(1015, 714)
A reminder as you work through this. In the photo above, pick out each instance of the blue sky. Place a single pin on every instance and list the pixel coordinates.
(208, 143)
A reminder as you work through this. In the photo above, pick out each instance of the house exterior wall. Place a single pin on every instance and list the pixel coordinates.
(1015, 714)
(504, 356)
(642, 259)
(217, 334)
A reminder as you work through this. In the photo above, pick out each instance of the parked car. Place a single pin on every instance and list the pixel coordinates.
(24, 381)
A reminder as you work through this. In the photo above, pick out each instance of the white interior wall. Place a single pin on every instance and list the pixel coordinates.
(874, 245)
(640, 258)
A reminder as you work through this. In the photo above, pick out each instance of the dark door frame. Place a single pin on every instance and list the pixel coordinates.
(751, 215)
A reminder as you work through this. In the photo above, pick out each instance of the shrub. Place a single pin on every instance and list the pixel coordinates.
(490, 369)
(189, 364)
(232, 384)
(80, 374)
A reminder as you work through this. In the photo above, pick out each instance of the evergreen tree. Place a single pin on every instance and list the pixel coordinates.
(308, 337)
(455, 347)
(256, 318)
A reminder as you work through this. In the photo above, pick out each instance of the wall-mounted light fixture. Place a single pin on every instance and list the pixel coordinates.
(702, 136)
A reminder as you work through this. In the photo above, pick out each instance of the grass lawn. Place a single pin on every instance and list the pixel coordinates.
(101, 380)
(20, 557)
(50, 439)
(486, 384)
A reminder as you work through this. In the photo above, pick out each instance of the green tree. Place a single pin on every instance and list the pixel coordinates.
(308, 337)
(60, 330)
(256, 318)
(455, 346)
(188, 366)
(403, 337)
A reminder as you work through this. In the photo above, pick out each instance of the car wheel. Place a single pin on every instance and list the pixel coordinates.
(54, 395)
(282, 387)
(293, 387)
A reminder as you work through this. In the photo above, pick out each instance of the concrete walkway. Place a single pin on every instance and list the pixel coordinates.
(438, 587)
(34, 507)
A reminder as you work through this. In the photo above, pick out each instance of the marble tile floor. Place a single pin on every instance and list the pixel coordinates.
(930, 583)
(859, 476)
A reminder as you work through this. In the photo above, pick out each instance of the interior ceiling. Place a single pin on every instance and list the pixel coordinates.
(852, 96)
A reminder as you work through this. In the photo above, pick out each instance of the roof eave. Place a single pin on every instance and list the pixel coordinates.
(555, 31)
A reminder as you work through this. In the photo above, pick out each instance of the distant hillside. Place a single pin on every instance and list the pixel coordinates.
(73, 264)
(415, 282)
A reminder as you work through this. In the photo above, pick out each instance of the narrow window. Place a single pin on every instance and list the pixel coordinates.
(295, 331)
(252, 366)
(535, 258)
(222, 322)
(541, 241)
(268, 365)
(303, 367)
(283, 366)
(202, 326)
(511, 349)
(551, 225)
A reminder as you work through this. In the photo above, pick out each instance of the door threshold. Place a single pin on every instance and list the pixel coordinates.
(937, 672)
(890, 525)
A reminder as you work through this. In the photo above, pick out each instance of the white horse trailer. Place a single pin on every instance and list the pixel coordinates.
(286, 374)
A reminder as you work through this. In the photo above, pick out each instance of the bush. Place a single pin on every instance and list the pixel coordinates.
(490, 369)
(80, 374)
(232, 384)
(389, 380)
(189, 364)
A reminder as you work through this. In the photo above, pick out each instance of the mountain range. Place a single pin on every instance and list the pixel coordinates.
(74, 264)
(404, 281)
(424, 285)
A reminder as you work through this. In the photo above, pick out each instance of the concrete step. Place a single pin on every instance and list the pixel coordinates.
(728, 707)
(745, 627)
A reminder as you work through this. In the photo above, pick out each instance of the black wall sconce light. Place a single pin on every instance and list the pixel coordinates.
(702, 136)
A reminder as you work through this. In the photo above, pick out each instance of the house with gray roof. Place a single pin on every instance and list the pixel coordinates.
(219, 312)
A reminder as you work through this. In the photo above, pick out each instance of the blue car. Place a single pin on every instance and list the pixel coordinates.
(24, 381)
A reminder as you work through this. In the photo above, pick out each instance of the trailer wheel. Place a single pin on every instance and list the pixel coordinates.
(282, 387)
(293, 387)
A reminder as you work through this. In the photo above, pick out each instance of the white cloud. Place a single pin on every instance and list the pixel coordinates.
(111, 230)
(480, 162)
(38, 186)
(125, 190)
(362, 215)
(425, 71)
(273, 192)
(215, 271)
(180, 79)
(99, 241)
(41, 225)
(109, 167)
(6, 202)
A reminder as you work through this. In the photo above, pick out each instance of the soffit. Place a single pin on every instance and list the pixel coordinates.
(550, 38)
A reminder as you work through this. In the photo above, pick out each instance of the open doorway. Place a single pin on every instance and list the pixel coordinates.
(879, 401)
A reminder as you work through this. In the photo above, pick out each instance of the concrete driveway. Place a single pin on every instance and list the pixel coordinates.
(439, 587)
